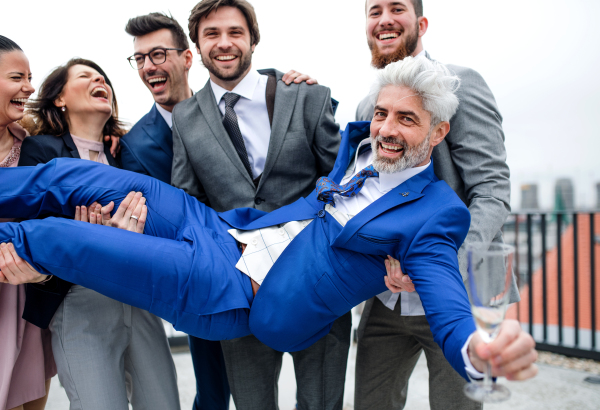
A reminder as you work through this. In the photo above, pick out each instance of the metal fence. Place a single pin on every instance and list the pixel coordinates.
(556, 268)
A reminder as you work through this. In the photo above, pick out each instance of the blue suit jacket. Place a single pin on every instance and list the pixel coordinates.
(328, 269)
(148, 147)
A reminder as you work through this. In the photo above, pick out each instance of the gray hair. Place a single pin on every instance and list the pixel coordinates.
(432, 81)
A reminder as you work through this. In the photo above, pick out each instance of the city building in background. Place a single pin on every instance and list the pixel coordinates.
(529, 197)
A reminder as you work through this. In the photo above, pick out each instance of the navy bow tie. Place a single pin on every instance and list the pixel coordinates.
(326, 188)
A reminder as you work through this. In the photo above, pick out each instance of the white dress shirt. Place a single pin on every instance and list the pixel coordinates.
(167, 116)
(252, 116)
(264, 246)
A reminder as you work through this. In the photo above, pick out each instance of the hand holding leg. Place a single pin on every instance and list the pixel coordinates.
(396, 281)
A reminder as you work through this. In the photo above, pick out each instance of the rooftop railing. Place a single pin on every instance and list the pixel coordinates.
(556, 266)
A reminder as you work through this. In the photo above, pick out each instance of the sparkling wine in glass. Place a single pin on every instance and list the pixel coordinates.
(489, 279)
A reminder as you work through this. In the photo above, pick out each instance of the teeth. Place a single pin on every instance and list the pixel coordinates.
(99, 90)
(391, 147)
(157, 80)
(19, 100)
(225, 58)
(388, 35)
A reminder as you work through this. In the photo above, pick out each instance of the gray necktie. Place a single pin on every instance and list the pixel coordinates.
(230, 123)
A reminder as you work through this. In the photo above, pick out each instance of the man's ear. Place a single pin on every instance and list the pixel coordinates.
(253, 47)
(423, 25)
(439, 133)
(189, 59)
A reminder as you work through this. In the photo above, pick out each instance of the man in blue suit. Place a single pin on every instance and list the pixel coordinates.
(393, 206)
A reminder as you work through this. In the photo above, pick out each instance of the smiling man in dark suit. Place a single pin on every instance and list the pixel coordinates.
(248, 140)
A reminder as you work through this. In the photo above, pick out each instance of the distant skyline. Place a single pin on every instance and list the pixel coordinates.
(538, 57)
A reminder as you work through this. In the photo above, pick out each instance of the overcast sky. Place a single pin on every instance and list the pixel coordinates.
(539, 57)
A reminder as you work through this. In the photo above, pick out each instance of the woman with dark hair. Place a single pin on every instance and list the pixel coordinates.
(107, 353)
(26, 362)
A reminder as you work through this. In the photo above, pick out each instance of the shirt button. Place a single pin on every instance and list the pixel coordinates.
(281, 232)
(254, 242)
(321, 214)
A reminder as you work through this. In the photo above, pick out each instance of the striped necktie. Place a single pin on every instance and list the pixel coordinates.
(230, 123)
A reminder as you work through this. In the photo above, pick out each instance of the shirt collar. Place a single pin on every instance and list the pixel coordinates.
(17, 131)
(245, 88)
(387, 182)
(168, 116)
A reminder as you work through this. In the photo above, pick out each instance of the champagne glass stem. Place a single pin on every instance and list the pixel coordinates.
(487, 378)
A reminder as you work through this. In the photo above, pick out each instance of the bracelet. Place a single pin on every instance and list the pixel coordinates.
(45, 280)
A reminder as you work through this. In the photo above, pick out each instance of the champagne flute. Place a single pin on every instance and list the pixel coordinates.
(489, 278)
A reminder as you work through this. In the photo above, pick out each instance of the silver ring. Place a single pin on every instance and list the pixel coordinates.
(134, 217)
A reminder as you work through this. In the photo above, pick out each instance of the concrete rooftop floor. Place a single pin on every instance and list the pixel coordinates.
(554, 388)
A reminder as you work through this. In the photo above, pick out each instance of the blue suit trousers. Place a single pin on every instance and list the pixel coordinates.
(182, 270)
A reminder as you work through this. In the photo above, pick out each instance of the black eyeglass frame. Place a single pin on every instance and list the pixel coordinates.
(132, 58)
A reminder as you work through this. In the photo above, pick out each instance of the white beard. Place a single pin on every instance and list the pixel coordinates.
(412, 155)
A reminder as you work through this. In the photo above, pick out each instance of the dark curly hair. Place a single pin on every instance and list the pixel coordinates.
(46, 118)
(149, 23)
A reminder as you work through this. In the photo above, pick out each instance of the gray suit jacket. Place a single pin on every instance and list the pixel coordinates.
(303, 147)
(472, 160)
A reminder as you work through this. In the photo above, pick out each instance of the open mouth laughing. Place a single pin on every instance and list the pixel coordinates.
(390, 149)
(19, 103)
(100, 93)
(157, 82)
(387, 36)
(226, 57)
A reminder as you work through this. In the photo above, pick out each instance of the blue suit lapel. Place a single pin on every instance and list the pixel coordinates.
(354, 133)
(156, 127)
(408, 191)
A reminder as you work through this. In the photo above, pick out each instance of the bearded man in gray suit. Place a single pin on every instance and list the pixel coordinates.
(248, 140)
(472, 160)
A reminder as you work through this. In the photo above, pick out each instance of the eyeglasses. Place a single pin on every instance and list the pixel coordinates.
(156, 56)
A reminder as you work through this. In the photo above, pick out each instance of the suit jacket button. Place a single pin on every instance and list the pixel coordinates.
(258, 200)
(321, 214)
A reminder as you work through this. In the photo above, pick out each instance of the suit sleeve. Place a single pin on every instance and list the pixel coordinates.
(183, 175)
(327, 137)
(129, 160)
(476, 143)
(33, 153)
(432, 265)
(364, 110)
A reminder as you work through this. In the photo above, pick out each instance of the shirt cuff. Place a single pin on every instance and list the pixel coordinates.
(472, 372)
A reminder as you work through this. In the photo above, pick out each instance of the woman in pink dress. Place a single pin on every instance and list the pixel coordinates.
(26, 361)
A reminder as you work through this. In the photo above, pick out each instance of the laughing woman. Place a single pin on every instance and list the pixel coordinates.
(26, 363)
(107, 353)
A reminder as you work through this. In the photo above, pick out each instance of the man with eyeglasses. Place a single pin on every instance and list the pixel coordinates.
(163, 59)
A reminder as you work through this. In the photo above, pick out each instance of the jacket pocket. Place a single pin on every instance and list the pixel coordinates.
(331, 296)
(377, 240)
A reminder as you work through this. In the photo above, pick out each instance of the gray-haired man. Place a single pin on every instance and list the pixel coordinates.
(472, 160)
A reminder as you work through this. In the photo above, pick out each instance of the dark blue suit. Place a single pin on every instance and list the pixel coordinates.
(148, 149)
(190, 279)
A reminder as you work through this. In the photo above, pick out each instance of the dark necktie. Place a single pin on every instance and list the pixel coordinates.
(230, 123)
(326, 187)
